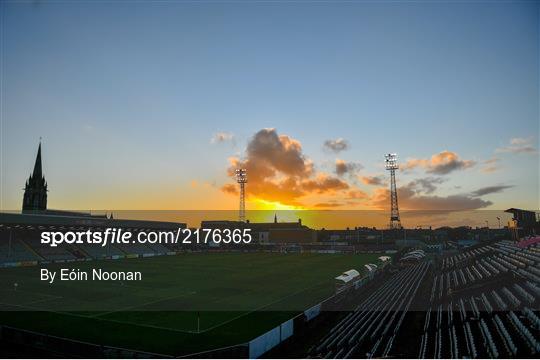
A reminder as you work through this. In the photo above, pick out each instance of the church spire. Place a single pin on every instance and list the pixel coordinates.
(35, 190)
(38, 174)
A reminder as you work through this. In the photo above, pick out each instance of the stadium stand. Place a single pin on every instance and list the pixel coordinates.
(14, 250)
(477, 303)
(377, 320)
(22, 244)
(496, 288)
(20, 237)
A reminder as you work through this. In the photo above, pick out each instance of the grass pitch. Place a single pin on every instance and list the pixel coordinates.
(184, 304)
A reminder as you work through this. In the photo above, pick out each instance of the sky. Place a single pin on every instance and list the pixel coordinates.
(152, 105)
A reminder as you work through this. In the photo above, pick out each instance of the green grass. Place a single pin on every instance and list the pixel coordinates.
(238, 296)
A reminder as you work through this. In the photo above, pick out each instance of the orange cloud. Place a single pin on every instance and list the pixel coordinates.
(440, 164)
(357, 194)
(324, 183)
(372, 180)
(230, 188)
(327, 205)
(278, 171)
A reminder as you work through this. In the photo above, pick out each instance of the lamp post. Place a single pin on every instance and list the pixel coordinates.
(241, 179)
(392, 165)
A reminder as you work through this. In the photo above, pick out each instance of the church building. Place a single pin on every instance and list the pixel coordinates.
(35, 189)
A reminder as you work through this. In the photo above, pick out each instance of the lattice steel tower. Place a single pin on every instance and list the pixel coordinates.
(241, 178)
(392, 166)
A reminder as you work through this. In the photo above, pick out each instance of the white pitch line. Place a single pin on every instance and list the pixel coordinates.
(260, 307)
(143, 304)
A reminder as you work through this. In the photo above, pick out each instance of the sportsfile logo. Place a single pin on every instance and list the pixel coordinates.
(109, 236)
(122, 237)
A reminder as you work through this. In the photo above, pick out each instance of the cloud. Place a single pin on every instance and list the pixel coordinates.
(372, 180)
(230, 188)
(221, 137)
(518, 146)
(411, 200)
(343, 167)
(490, 165)
(336, 145)
(491, 190)
(493, 160)
(278, 170)
(489, 169)
(417, 195)
(356, 194)
(426, 185)
(323, 184)
(440, 164)
(328, 205)
(353, 197)
(451, 202)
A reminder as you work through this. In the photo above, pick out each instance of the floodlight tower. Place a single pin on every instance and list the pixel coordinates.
(392, 166)
(241, 178)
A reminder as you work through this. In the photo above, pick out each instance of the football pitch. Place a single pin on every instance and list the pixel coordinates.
(183, 304)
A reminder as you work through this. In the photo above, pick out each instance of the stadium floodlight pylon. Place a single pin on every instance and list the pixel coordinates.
(392, 166)
(241, 178)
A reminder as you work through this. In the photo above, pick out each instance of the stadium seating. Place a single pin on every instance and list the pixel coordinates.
(377, 320)
(14, 250)
(489, 326)
(481, 302)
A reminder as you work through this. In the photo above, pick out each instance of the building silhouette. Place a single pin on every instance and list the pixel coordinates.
(35, 189)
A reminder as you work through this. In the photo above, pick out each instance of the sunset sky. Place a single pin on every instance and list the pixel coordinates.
(152, 105)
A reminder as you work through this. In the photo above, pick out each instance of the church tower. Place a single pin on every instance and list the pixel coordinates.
(35, 189)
